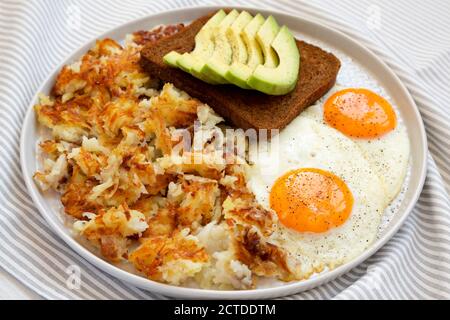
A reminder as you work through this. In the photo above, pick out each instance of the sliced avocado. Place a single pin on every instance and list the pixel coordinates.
(204, 48)
(171, 58)
(234, 37)
(255, 55)
(188, 62)
(239, 73)
(240, 52)
(218, 64)
(185, 61)
(283, 78)
(204, 45)
(265, 35)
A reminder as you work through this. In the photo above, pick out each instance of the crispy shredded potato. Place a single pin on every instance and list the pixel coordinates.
(183, 216)
(171, 259)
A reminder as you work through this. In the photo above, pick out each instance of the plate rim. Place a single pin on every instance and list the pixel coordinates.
(183, 292)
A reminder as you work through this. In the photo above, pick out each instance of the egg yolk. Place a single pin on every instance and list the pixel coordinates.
(359, 113)
(311, 200)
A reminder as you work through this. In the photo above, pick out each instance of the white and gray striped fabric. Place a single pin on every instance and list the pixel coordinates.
(411, 36)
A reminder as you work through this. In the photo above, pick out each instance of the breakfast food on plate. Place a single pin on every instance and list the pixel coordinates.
(245, 108)
(326, 195)
(371, 122)
(113, 156)
(249, 54)
(146, 174)
(221, 52)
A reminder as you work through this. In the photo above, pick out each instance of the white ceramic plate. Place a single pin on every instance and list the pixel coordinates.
(358, 63)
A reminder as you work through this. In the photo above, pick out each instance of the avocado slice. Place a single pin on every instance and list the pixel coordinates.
(204, 48)
(255, 55)
(234, 36)
(171, 58)
(239, 72)
(265, 36)
(239, 47)
(218, 64)
(283, 78)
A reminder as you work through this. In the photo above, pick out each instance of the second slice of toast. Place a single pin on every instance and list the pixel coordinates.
(245, 108)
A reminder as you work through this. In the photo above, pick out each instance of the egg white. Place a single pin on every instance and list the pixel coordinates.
(388, 154)
(306, 143)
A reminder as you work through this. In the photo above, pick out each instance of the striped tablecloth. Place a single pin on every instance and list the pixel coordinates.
(411, 36)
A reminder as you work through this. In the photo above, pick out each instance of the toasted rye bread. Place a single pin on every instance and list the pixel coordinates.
(245, 108)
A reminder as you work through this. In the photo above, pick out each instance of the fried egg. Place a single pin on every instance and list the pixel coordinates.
(371, 122)
(328, 199)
